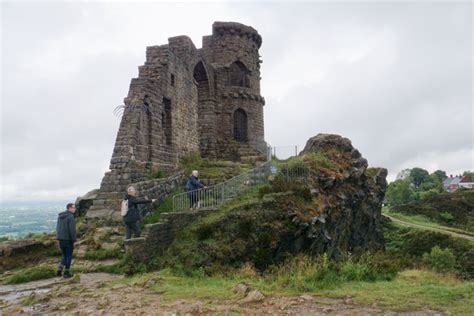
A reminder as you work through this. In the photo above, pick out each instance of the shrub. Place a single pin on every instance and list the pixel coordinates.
(440, 260)
(306, 273)
(446, 216)
(204, 232)
(369, 267)
(466, 262)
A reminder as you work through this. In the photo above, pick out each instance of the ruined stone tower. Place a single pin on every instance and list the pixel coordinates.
(187, 100)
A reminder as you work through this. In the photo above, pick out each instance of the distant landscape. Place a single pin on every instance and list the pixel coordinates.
(18, 219)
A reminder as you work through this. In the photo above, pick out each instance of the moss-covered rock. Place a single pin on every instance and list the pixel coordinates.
(336, 210)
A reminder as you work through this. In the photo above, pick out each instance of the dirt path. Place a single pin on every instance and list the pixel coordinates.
(101, 294)
(396, 220)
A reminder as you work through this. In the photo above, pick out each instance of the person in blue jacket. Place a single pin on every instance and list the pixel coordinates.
(193, 185)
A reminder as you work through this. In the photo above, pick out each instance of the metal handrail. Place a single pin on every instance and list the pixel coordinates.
(217, 194)
(265, 149)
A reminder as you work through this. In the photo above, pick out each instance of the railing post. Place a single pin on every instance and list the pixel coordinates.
(223, 194)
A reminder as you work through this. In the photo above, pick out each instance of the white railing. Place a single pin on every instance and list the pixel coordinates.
(294, 171)
(265, 149)
(284, 152)
(215, 195)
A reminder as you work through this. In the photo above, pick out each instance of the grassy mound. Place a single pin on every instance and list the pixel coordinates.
(449, 209)
(408, 246)
(236, 234)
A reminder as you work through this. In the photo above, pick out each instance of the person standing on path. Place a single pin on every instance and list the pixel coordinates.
(132, 215)
(66, 235)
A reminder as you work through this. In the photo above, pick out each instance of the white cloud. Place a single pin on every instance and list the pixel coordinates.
(396, 78)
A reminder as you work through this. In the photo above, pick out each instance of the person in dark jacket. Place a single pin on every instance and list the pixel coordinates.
(66, 235)
(132, 217)
(193, 185)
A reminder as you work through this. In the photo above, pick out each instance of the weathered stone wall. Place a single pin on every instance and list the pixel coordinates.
(157, 237)
(184, 101)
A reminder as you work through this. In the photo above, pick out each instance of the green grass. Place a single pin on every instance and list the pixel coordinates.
(447, 209)
(410, 290)
(424, 221)
(32, 274)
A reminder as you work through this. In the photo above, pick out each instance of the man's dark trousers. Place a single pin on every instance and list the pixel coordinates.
(67, 247)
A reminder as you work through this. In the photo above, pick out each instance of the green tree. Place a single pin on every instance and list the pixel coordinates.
(440, 174)
(418, 176)
(399, 192)
(440, 260)
(432, 183)
(468, 173)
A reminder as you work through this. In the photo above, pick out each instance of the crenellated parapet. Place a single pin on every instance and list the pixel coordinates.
(234, 28)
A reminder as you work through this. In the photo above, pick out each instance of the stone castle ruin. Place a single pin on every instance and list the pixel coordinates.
(187, 100)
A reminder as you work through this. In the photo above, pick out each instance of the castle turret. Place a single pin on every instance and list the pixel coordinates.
(233, 52)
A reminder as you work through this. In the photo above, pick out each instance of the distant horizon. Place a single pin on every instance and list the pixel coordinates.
(16, 203)
(65, 200)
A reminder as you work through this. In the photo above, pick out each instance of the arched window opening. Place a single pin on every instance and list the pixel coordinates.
(239, 75)
(240, 126)
(200, 75)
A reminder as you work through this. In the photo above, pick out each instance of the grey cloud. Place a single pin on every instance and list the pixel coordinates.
(395, 78)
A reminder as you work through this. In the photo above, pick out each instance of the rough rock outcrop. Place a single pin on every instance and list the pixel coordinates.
(83, 203)
(349, 197)
(335, 209)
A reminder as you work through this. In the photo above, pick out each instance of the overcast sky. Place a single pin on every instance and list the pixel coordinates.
(395, 78)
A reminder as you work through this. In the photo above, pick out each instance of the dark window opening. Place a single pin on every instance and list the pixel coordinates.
(239, 75)
(240, 125)
(172, 80)
(149, 126)
(167, 120)
(200, 75)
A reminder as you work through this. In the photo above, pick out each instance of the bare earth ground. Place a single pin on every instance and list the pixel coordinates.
(96, 293)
